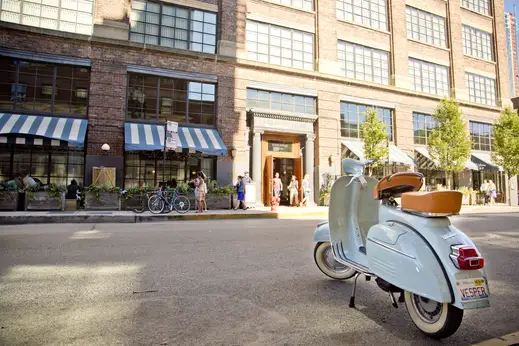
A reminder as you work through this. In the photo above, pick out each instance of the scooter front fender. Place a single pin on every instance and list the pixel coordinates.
(322, 233)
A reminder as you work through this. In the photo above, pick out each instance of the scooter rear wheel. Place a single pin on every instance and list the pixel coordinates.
(325, 261)
(436, 320)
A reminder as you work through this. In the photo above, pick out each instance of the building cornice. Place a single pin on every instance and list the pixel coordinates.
(280, 115)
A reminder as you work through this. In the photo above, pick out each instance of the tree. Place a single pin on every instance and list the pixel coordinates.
(449, 144)
(373, 133)
(506, 142)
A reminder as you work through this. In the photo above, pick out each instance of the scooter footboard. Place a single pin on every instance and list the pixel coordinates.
(404, 259)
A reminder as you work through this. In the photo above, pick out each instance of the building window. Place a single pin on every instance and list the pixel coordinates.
(144, 168)
(46, 164)
(173, 26)
(429, 78)
(43, 88)
(477, 43)
(423, 124)
(280, 46)
(280, 101)
(481, 6)
(425, 26)
(364, 63)
(70, 16)
(161, 98)
(372, 13)
(303, 4)
(481, 89)
(482, 136)
(353, 115)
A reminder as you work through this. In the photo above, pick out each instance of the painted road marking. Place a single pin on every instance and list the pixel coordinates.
(505, 340)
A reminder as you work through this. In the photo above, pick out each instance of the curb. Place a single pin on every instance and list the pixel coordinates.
(505, 340)
(48, 219)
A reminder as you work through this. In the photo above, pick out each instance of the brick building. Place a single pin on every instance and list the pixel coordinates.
(513, 58)
(256, 85)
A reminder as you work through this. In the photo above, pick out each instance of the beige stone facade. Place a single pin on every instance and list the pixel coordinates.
(111, 52)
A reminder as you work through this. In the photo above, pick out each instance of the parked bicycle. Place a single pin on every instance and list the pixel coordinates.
(161, 202)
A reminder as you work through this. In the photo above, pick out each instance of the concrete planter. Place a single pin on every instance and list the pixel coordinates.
(325, 200)
(132, 203)
(42, 201)
(214, 202)
(108, 201)
(8, 200)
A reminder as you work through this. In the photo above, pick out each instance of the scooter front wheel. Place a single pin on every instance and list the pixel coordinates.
(325, 261)
(436, 320)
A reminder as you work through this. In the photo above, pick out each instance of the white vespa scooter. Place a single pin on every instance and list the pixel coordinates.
(411, 249)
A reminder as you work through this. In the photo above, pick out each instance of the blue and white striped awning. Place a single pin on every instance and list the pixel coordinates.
(36, 129)
(151, 137)
(395, 154)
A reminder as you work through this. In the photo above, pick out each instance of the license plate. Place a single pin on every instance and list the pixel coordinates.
(472, 289)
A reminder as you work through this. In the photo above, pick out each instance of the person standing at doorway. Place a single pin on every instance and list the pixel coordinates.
(307, 191)
(277, 185)
(484, 189)
(293, 188)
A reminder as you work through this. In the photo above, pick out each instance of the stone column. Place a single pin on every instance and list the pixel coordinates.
(309, 165)
(256, 165)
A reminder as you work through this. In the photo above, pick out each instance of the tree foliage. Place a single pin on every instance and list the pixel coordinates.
(373, 133)
(449, 144)
(506, 141)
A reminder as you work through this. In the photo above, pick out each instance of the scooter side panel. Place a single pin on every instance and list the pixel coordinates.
(322, 233)
(409, 263)
(441, 235)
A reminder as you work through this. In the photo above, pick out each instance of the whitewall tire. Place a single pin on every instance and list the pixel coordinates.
(436, 320)
(325, 261)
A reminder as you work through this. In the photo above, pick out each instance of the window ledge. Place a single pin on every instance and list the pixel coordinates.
(479, 59)
(478, 13)
(429, 44)
(291, 8)
(266, 111)
(364, 26)
(160, 122)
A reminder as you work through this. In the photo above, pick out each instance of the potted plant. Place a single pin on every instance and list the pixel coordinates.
(466, 195)
(132, 198)
(8, 196)
(50, 197)
(220, 197)
(102, 197)
(326, 188)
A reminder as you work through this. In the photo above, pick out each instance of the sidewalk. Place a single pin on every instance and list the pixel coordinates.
(30, 217)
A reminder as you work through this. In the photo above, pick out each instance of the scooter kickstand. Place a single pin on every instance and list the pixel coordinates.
(352, 298)
(393, 300)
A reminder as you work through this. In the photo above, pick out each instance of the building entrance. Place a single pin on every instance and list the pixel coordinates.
(285, 168)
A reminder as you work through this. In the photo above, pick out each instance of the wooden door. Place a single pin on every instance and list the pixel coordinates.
(298, 172)
(267, 179)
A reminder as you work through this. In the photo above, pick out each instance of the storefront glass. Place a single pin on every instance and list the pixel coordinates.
(148, 168)
(46, 164)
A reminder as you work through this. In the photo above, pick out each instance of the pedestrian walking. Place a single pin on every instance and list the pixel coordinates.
(240, 188)
(492, 192)
(293, 188)
(484, 189)
(277, 185)
(307, 191)
(201, 190)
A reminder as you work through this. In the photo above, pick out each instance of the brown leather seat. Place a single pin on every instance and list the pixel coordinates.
(435, 202)
(396, 184)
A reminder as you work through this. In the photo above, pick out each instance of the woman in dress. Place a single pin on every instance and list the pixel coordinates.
(294, 191)
(201, 191)
(307, 191)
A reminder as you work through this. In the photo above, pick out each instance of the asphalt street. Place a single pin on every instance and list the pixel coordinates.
(243, 282)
